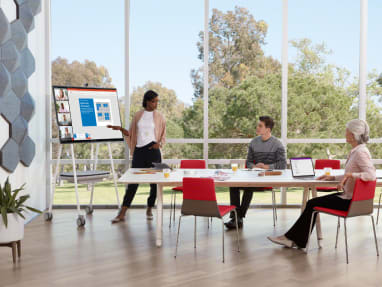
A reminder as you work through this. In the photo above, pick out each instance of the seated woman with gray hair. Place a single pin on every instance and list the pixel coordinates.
(358, 165)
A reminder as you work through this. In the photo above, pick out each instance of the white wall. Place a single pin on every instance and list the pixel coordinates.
(35, 175)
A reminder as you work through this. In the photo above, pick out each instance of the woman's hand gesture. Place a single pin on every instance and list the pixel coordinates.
(118, 128)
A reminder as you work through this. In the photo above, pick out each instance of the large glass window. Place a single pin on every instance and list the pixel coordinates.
(374, 80)
(323, 67)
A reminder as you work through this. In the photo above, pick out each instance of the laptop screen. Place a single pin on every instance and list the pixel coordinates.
(302, 166)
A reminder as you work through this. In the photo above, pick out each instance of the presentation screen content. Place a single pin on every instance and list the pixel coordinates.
(84, 113)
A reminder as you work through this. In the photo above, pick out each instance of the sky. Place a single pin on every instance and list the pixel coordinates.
(164, 33)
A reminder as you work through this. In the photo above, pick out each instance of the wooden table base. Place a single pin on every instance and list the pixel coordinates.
(13, 245)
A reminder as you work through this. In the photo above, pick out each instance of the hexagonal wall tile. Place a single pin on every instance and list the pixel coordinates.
(26, 16)
(35, 6)
(27, 107)
(19, 2)
(5, 81)
(10, 9)
(10, 106)
(19, 35)
(18, 129)
(27, 151)
(10, 56)
(4, 128)
(19, 83)
(27, 62)
(9, 155)
(5, 28)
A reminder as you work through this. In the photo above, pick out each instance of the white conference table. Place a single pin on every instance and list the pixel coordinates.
(240, 178)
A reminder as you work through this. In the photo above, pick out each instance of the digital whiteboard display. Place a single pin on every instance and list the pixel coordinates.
(84, 113)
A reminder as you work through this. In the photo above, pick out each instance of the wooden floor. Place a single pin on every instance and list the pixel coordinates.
(101, 254)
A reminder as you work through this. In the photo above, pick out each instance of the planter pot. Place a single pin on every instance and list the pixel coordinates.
(14, 231)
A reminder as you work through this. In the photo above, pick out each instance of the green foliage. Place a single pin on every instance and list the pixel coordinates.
(10, 203)
(235, 50)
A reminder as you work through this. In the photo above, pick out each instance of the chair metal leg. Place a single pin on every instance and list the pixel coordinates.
(346, 243)
(237, 231)
(338, 229)
(177, 237)
(172, 194)
(195, 233)
(310, 231)
(223, 237)
(173, 215)
(375, 235)
(379, 206)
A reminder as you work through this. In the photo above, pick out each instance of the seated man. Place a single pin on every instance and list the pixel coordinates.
(264, 151)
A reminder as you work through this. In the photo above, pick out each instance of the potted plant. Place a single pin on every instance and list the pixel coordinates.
(11, 210)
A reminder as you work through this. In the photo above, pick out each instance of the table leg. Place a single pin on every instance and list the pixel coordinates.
(318, 221)
(304, 198)
(159, 229)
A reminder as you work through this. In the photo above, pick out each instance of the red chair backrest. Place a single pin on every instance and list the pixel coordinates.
(199, 189)
(199, 197)
(322, 163)
(363, 190)
(193, 163)
(362, 202)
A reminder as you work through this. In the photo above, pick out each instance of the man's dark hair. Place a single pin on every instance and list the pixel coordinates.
(268, 121)
(148, 96)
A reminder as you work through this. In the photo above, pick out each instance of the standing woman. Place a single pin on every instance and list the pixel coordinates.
(358, 165)
(145, 137)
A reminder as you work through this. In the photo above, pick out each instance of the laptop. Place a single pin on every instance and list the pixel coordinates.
(302, 167)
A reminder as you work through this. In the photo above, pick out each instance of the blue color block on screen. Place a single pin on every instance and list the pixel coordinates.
(105, 105)
(87, 113)
(98, 106)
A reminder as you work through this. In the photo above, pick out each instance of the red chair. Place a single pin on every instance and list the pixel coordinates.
(184, 164)
(199, 199)
(273, 200)
(361, 204)
(321, 164)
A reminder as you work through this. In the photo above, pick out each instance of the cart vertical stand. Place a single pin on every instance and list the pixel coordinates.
(90, 177)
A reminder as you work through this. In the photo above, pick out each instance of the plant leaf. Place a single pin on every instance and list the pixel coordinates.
(33, 209)
(4, 216)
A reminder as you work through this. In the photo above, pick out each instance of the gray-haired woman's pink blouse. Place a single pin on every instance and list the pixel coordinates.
(360, 165)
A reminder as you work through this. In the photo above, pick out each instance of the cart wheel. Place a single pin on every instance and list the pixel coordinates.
(81, 221)
(48, 216)
(89, 210)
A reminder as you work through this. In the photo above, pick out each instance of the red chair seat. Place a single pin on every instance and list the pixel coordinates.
(224, 209)
(178, 188)
(327, 188)
(332, 211)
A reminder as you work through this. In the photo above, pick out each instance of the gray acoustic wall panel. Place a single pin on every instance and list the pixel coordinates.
(5, 28)
(19, 35)
(5, 81)
(10, 56)
(18, 129)
(27, 62)
(19, 83)
(35, 6)
(27, 107)
(27, 151)
(26, 16)
(17, 64)
(10, 106)
(9, 155)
